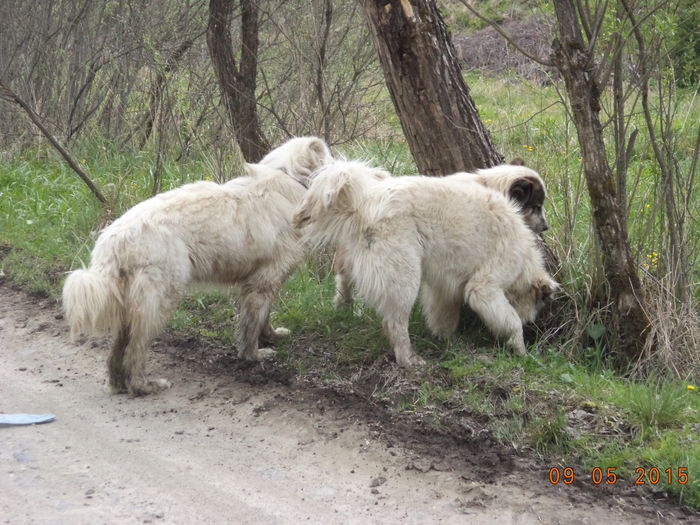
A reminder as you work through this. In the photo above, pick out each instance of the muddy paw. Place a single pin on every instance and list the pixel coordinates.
(118, 387)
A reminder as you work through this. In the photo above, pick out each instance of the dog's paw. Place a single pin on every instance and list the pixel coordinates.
(341, 301)
(281, 332)
(408, 361)
(161, 384)
(519, 350)
(265, 353)
(518, 344)
(151, 386)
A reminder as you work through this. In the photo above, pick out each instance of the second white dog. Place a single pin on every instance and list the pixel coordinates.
(465, 243)
(519, 183)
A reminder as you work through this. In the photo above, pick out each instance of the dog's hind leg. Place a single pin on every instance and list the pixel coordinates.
(394, 305)
(395, 327)
(491, 304)
(115, 362)
(343, 290)
(343, 280)
(440, 309)
(134, 370)
(151, 300)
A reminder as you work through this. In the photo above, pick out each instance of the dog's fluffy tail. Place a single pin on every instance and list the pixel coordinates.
(329, 209)
(92, 302)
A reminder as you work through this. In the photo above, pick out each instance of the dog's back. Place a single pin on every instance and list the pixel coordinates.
(459, 228)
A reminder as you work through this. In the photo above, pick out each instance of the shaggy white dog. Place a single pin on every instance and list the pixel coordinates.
(235, 233)
(521, 184)
(466, 243)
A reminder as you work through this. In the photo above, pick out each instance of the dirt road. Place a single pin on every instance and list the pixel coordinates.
(212, 450)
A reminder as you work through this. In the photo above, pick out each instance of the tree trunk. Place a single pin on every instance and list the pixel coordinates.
(238, 83)
(574, 61)
(438, 116)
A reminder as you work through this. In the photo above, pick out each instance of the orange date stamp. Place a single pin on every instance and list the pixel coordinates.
(609, 475)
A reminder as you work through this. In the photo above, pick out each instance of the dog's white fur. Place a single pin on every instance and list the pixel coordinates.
(466, 243)
(238, 233)
(500, 178)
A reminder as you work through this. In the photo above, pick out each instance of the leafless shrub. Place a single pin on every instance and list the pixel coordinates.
(675, 327)
(487, 51)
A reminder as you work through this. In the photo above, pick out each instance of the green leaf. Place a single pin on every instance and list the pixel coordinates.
(566, 378)
(595, 331)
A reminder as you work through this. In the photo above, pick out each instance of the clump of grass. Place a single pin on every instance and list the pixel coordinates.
(654, 408)
(675, 451)
(675, 328)
(549, 435)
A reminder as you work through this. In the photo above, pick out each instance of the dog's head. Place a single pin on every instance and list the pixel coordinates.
(522, 185)
(299, 157)
(531, 300)
(337, 190)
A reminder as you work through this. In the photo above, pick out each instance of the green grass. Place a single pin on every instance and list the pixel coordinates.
(50, 218)
(564, 403)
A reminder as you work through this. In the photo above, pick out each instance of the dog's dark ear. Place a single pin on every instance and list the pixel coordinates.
(517, 161)
(527, 191)
(521, 190)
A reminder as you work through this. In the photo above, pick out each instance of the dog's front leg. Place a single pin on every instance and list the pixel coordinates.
(271, 335)
(254, 322)
(490, 303)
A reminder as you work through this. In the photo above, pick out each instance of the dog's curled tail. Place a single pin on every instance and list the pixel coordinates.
(330, 205)
(92, 302)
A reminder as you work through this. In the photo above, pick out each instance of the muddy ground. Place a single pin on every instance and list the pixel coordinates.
(237, 444)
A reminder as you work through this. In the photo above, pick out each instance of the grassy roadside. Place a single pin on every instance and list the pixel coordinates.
(564, 404)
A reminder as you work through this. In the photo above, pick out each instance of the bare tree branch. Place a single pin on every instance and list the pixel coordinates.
(10, 96)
